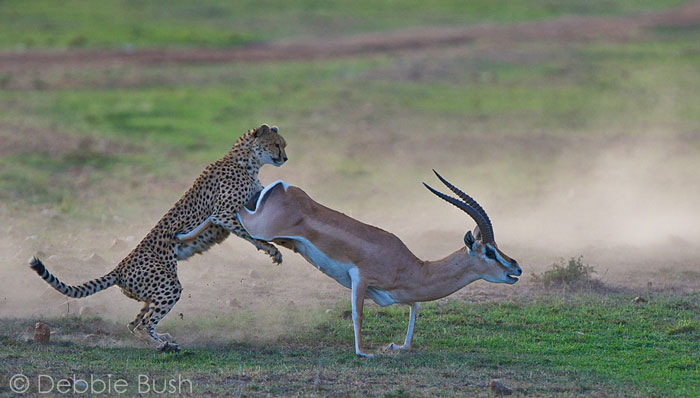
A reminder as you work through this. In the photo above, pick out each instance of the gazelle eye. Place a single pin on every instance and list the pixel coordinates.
(491, 254)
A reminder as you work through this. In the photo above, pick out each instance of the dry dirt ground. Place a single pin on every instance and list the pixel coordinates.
(261, 289)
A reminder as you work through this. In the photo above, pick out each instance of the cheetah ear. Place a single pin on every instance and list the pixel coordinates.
(274, 129)
(264, 129)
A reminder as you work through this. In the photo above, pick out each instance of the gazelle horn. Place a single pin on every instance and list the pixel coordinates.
(484, 226)
(467, 199)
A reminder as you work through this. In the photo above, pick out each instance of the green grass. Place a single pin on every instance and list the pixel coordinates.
(502, 113)
(118, 23)
(549, 346)
(557, 93)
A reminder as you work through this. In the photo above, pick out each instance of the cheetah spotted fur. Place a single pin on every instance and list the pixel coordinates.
(149, 273)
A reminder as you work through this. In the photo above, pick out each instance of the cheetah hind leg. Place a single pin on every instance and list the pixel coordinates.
(141, 333)
(162, 341)
(166, 337)
(135, 323)
(156, 312)
(136, 328)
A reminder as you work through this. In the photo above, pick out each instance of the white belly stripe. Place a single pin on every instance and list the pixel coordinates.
(335, 269)
(327, 265)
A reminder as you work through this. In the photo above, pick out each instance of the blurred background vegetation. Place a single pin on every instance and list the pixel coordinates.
(575, 124)
(554, 114)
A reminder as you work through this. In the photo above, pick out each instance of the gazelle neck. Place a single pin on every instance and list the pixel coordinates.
(446, 276)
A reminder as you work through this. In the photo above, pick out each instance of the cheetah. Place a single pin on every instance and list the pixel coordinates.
(149, 273)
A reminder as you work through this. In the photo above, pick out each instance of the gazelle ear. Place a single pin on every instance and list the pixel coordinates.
(477, 232)
(261, 130)
(470, 241)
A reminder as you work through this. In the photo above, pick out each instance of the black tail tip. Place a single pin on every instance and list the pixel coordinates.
(36, 265)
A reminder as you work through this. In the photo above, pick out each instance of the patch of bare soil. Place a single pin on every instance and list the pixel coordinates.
(567, 28)
(48, 141)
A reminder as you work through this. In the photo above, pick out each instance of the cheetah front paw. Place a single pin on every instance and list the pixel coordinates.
(276, 256)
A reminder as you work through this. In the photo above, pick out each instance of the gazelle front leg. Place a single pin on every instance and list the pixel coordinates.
(359, 287)
(409, 334)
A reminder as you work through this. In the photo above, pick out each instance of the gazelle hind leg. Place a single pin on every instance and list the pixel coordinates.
(358, 300)
(409, 334)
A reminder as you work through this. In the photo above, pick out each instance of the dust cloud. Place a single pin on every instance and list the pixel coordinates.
(629, 207)
(233, 293)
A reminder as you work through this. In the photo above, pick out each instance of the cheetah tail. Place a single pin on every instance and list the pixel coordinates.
(79, 291)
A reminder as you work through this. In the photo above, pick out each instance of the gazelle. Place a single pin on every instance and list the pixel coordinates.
(371, 261)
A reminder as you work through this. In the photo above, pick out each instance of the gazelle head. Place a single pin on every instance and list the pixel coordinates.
(493, 265)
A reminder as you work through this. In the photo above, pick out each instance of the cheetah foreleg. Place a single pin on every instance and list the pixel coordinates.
(231, 223)
(195, 232)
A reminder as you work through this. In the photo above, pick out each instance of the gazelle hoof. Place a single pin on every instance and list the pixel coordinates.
(364, 355)
(395, 347)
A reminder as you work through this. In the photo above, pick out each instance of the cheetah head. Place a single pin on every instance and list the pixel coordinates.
(269, 146)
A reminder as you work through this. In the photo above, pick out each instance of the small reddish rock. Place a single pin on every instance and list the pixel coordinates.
(42, 333)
